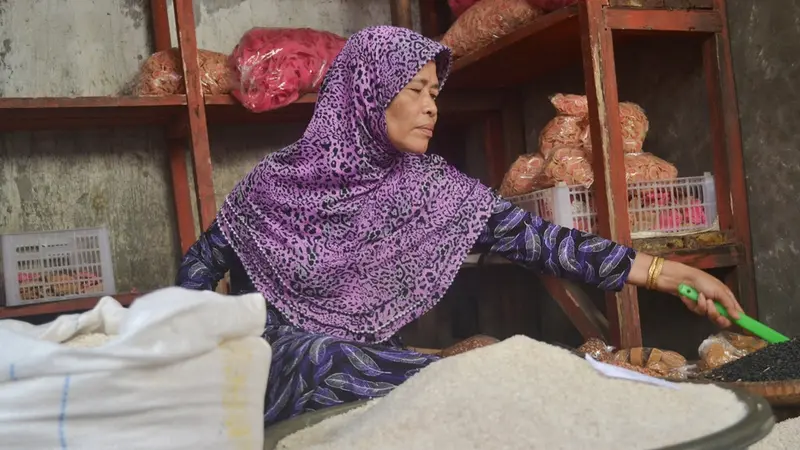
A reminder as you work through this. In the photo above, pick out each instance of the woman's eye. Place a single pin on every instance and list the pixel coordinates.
(434, 96)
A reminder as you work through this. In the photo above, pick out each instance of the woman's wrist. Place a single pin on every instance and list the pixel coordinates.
(671, 275)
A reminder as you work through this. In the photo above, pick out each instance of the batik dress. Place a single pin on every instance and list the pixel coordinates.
(312, 371)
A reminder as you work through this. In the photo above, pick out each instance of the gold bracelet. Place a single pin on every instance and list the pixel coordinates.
(655, 271)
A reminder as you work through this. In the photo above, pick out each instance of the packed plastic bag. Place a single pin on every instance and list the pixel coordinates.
(178, 369)
(275, 66)
(724, 347)
(486, 21)
(522, 175)
(162, 74)
(551, 5)
(634, 126)
(648, 167)
(569, 165)
(647, 360)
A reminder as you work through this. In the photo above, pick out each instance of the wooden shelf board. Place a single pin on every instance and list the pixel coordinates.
(61, 307)
(49, 113)
(553, 41)
(226, 110)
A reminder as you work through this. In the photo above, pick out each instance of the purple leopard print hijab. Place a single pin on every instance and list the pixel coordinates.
(342, 233)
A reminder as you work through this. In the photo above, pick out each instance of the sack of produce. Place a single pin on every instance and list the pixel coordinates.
(521, 177)
(162, 74)
(486, 21)
(178, 369)
(275, 66)
(569, 165)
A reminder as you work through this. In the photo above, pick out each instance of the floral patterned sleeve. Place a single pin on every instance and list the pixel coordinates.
(530, 241)
(206, 261)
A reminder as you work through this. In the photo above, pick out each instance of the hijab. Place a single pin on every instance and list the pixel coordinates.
(342, 233)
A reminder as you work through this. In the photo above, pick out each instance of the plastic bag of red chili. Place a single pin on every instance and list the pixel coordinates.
(275, 66)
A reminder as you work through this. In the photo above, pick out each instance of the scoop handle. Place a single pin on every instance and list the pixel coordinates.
(744, 321)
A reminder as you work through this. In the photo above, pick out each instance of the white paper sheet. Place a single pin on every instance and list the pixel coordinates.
(612, 371)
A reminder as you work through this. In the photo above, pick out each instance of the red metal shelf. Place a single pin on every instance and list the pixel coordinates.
(17, 114)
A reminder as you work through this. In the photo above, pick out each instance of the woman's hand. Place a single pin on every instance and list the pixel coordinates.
(709, 289)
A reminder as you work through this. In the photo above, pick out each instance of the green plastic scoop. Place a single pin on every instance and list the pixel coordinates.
(744, 321)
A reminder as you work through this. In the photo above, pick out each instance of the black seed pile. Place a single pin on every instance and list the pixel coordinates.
(775, 362)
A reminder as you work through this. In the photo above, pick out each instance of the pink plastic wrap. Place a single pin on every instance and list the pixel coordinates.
(486, 21)
(161, 74)
(566, 164)
(275, 66)
(521, 177)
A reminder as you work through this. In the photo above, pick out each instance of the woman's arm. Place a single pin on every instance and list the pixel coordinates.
(206, 261)
(526, 239)
(532, 242)
(666, 276)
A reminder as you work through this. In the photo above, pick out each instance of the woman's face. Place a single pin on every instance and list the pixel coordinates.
(411, 116)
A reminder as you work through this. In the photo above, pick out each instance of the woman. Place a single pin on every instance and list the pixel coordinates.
(352, 232)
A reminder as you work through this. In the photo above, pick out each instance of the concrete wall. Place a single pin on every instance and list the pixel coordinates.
(120, 178)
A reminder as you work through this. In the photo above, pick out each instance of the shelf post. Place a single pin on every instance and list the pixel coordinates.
(198, 127)
(181, 195)
(610, 187)
(728, 156)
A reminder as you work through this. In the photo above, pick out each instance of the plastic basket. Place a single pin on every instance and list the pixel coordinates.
(56, 265)
(655, 208)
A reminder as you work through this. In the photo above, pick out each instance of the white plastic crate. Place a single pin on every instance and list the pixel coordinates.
(655, 208)
(57, 265)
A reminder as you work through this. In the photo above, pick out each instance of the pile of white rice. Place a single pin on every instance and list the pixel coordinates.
(524, 394)
(784, 436)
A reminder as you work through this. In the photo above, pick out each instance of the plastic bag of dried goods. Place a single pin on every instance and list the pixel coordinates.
(485, 22)
(660, 363)
(161, 74)
(521, 176)
(552, 5)
(562, 131)
(716, 351)
(648, 167)
(635, 126)
(566, 164)
(597, 349)
(192, 359)
(275, 66)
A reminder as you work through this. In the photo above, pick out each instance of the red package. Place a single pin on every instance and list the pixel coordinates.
(275, 66)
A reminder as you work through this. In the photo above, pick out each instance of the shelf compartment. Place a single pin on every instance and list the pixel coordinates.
(553, 41)
(50, 113)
